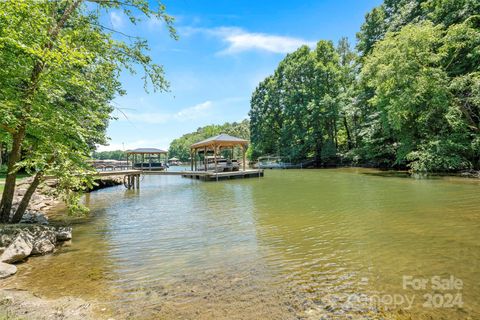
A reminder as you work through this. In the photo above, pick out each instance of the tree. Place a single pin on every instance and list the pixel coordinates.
(110, 155)
(393, 15)
(348, 111)
(294, 112)
(416, 96)
(59, 69)
(266, 118)
(410, 99)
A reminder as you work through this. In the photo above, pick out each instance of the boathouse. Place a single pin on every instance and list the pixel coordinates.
(214, 159)
(147, 158)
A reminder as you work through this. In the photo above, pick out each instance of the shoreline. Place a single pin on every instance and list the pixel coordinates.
(34, 235)
(21, 304)
(471, 174)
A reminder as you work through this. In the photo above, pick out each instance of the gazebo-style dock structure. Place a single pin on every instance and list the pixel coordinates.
(174, 161)
(147, 158)
(214, 166)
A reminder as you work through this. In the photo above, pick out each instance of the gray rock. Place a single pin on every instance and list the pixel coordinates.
(19, 249)
(6, 239)
(44, 239)
(7, 270)
(64, 233)
(34, 217)
(42, 246)
(46, 233)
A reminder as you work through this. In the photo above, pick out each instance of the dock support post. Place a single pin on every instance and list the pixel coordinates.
(191, 159)
(215, 160)
(244, 158)
(195, 159)
(205, 158)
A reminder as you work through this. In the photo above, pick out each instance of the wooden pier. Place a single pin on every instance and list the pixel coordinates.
(212, 176)
(131, 178)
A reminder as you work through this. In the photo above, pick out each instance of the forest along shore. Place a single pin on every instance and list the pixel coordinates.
(34, 236)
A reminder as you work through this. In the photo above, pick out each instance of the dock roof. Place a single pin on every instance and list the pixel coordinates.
(147, 151)
(222, 140)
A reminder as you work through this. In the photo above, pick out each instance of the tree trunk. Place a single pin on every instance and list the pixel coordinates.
(318, 153)
(8, 192)
(335, 134)
(26, 198)
(19, 135)
(349, 138)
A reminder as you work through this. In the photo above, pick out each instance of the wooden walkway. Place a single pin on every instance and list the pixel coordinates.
(212, 176)
(198, 175)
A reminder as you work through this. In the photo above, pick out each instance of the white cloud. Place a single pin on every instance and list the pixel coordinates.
(239, 40)
(195, 112)
(116, 19)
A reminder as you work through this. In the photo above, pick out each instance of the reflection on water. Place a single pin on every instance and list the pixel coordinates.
(293, 244)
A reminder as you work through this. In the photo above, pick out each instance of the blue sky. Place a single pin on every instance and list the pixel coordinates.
(226, 47)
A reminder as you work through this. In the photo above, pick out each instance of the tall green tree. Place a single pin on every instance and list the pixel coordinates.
(415, 93)
(59, 69)
(392, 15)
(266, 118)
(408, 99)
(294, 113)
(348, 110)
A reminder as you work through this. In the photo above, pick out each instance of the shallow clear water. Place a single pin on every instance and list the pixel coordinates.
(296, 243)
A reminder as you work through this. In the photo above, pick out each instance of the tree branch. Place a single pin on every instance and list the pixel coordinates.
(116, 31)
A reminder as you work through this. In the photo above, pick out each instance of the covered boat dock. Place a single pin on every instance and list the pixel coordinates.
(148, 159)
(207, 162)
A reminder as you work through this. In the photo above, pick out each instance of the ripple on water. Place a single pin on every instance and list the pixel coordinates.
(294, 244)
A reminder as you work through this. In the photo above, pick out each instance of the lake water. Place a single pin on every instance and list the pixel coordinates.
(294, 244)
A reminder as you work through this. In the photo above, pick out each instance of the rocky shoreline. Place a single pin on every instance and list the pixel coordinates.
(33, 236)
(20, 241)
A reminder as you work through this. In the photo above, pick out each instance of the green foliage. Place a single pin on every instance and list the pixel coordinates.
(59, 70)
(420, 95)
(110, 155)
(180, 147)
(296, 112)
(393, 15)
(410, 100)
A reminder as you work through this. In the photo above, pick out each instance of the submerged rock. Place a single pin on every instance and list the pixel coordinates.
(7, 270)
(64, 233)
(20, 248)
